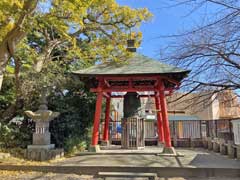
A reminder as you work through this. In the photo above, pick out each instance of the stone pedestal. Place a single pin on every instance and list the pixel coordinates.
(42, 150)
(95, 148)
(41, 139)
(210, 144)
(222, 147)
(238, 151)
(169, 150)
(47, 147)
(43, 153)
(175, 143)
(216, 146)
(205, 142)
(160, 144)
(230, 149)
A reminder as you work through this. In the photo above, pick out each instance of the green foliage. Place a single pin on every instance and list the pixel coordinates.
(16, 133)
(65, 36)
(7, 94)
(9, 13)
(76, 108)
(73, 145)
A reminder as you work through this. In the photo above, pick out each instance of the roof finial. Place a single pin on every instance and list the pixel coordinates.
(131, 43)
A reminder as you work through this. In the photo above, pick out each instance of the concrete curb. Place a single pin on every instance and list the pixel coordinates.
(160, 171)
(129, 153)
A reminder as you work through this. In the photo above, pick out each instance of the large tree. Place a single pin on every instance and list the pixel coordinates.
(61, 35)
(102, 25)
(210, 49)
(13, 17)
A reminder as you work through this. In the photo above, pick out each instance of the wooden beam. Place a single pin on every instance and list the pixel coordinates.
(139, 77)
(124, 89)
(96, 121)
(107, 119)
(159, 119)
(164, 112)
(106, 95)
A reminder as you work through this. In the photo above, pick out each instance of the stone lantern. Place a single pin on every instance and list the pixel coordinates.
(41, 148)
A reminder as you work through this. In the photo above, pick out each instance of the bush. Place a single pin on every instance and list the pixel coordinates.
(76, 108)
(73, 145)
(70, 130)
(15, 133)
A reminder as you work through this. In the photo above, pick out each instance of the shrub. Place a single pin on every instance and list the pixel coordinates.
(75, 144)
(76, 108)
(15, 133)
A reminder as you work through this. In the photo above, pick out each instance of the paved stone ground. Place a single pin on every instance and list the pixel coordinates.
(191, 158)
(6, 175)
(146, 158)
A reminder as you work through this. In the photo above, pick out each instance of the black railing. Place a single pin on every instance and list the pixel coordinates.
(183, 129)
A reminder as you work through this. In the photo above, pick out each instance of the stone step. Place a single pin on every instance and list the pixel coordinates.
(150, 176)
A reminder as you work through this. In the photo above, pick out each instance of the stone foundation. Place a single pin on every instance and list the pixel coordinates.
(222, 147)
(169, 150)
(216, 145)
(210, 144)
(205, 142)
(160, 144)
(238, 151)
(175, 142)
(94, 148)
(195, 143)
(38, 154)
(230, 149)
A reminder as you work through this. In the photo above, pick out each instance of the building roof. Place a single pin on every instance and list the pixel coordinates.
(175, 117)
(182, 117)
(136, 65)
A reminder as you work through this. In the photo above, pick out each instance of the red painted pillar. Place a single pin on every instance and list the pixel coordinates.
(163, 103)
(97, 116)
(107, 118)
(159, 119)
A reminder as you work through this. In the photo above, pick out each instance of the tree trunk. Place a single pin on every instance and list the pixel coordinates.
(1, 80)
(4, 56)
(45, 56)
(18, 91)
(13, 37)
(10, 112)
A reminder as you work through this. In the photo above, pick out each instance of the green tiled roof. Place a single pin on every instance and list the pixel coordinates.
(182, 117)
(138, 64)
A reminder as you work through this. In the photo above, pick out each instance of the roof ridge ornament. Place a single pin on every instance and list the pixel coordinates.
(131, 45)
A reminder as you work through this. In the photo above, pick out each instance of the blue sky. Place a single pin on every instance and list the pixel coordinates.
(166, 21)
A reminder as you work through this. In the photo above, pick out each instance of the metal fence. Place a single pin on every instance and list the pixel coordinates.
(184, 129)
(221, 128)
